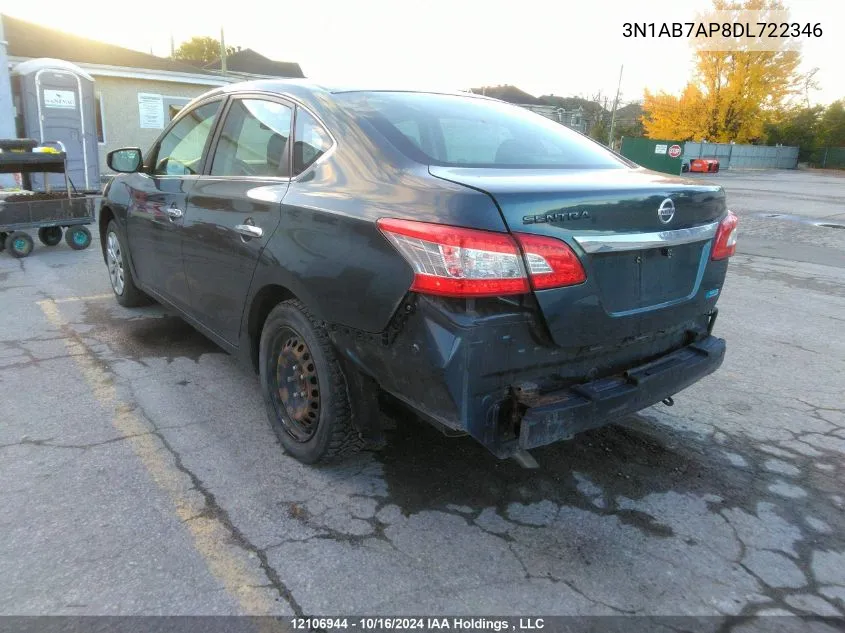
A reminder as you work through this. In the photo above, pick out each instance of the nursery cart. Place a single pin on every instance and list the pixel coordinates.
(46, 211)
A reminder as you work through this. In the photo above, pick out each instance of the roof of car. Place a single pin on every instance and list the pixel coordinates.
(309, 92)
(305, 88)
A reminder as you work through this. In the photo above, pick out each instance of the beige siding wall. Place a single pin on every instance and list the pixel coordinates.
(121, 118)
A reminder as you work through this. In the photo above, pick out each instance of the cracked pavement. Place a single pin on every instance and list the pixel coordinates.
(140, 475)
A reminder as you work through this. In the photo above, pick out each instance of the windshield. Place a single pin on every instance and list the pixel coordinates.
(460, 131)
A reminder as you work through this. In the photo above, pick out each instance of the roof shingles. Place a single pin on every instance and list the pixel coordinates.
(29, 40)
(248, 61)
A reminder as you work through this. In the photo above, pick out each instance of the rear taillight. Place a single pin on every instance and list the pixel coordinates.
(458, 262)
(725, 243)
(551, 263)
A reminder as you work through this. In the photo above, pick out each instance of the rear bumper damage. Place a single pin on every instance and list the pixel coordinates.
(547, 418)
(489, 370)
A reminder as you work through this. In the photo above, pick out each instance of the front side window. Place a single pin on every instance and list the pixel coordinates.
(312, 141)
(466, 131)
(180, 151)
(254, 140)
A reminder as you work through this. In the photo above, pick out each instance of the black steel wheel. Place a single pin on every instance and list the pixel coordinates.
(19, 244)
(297, 386)
(78, 237)
(50, 235)
(304, 387)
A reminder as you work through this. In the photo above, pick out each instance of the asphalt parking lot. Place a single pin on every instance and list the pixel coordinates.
(140, 476)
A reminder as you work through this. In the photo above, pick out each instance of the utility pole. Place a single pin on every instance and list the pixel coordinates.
(172, 46)
(222, 52)
(615, 104)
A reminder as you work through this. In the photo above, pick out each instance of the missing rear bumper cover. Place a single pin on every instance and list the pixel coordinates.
(538, 418)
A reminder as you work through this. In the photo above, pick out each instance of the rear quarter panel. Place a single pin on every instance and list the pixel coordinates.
(328, 250)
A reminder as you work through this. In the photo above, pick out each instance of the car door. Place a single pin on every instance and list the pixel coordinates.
(234, 207)
(156, 210)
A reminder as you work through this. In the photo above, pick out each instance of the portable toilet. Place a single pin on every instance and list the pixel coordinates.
(55, 101)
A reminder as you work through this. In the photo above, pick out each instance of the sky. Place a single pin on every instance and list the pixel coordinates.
(561, 47)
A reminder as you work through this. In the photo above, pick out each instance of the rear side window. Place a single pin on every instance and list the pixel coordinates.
(460, 131)
(254, 140)
(311, 141)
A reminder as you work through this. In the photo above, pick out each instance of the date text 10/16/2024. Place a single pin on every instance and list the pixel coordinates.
(419, 624)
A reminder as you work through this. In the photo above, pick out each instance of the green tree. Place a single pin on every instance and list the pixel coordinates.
(797, 126)
(832, 125)
(599, 130)
(202, 49)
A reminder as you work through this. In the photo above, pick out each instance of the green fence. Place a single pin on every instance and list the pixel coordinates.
(832, 158)
(662, 156)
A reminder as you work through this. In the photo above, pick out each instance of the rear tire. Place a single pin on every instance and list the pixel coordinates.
(304, 388)
(50, 235)
(19, 244)
(120, 275)
(3, 241)
(78, 237)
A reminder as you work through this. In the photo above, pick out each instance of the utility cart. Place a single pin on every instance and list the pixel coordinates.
(48, 211)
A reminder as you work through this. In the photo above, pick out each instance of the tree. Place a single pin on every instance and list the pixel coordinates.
(812, 129)
(599, 130)
(796, 126)
(832, 125)
(202, 49)
(669, 117)
(809, 82)
(733, 91)
(628, 129)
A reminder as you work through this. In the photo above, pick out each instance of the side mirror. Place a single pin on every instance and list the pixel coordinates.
(125, 160)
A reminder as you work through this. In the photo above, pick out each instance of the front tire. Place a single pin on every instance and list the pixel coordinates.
(304, 388)
(120, 275)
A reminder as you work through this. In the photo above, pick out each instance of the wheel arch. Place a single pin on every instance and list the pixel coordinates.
(267, 298)
(106, 216)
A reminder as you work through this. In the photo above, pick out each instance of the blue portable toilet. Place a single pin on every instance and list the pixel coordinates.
(55, 102)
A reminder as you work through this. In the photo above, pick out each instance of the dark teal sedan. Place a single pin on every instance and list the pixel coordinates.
(493, 271)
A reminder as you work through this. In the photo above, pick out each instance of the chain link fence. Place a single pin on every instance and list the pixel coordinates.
(736, 156)
(830, 158)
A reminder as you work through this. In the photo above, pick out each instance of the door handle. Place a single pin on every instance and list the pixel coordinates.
(174, 213)
(249, 230)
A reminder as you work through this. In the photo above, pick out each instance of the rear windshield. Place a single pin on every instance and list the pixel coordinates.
(467, 131)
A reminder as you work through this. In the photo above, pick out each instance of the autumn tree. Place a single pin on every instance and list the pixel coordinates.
(732, 93)
(202, 49)
(677, 118)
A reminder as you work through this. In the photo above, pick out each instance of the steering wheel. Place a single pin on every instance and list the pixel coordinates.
(163, 167)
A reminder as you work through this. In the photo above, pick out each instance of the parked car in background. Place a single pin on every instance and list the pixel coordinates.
(498, 274)
(701, 165)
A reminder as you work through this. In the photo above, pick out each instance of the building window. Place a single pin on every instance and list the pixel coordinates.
(98, 118)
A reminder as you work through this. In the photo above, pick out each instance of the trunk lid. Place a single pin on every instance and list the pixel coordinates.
(645, 258)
